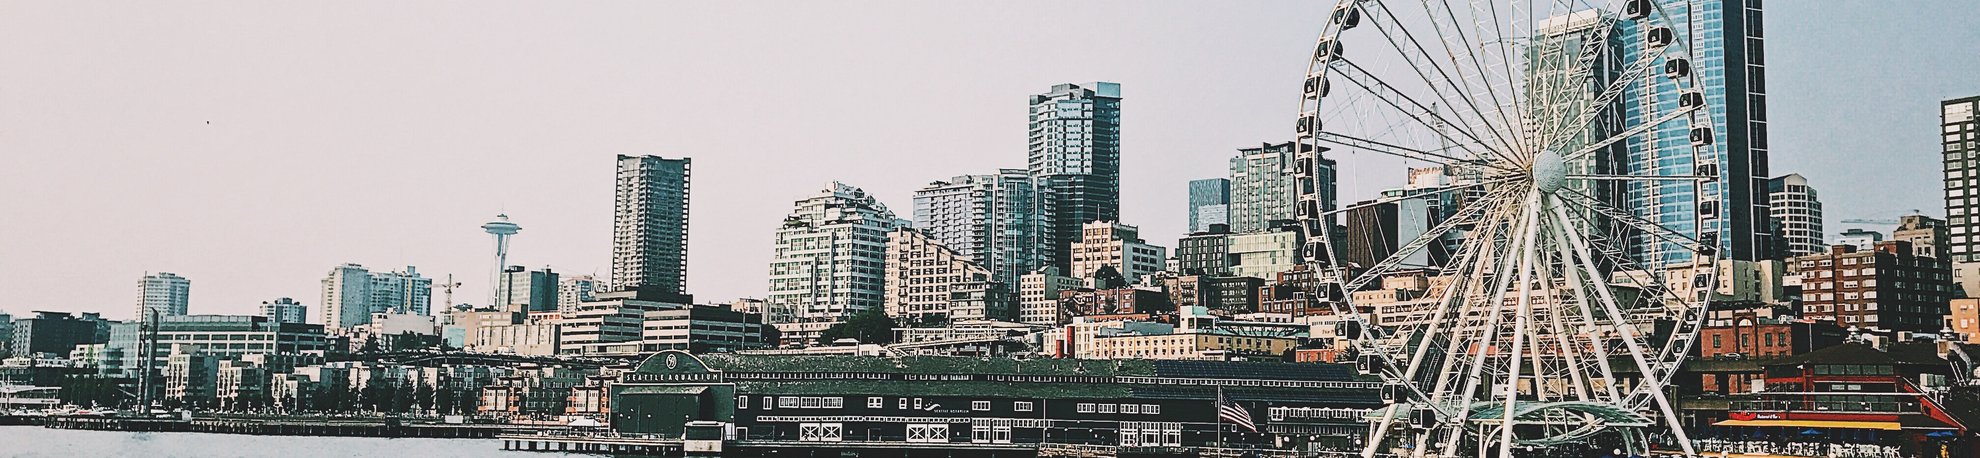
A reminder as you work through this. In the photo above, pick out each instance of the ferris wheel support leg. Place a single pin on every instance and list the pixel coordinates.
(1628, 332)
(1495, 310)
(1526, 267)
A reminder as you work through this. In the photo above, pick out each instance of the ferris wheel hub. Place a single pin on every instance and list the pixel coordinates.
(1549, 172)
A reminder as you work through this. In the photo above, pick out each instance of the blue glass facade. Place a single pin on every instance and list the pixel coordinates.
(1727, 55)
(1204, 196)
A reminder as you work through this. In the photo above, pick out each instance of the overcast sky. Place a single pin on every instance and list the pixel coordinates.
(252, 146)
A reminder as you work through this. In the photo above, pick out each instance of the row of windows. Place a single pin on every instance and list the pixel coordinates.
(1089, 407)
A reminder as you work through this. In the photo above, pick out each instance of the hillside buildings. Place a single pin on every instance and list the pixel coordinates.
(831, 255)
(351, 294)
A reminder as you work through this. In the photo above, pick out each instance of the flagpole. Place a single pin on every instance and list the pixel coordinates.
(1220, 419)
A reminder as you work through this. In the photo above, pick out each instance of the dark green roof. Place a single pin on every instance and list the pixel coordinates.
(927, 365)
(904, 388)
(1265, 370)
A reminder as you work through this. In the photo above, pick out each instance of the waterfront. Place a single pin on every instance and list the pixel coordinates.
(34, 441)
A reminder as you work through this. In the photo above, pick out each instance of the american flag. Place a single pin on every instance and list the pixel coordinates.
(1234, 413)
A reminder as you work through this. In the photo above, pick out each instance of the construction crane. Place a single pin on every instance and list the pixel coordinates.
(1914, 211)
(447, 292)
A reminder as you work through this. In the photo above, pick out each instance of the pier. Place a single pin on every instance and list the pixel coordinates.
(278, 427)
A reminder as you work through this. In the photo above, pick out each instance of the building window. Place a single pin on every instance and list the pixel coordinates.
(1151, 409)
(979, 405)
(903, 404)
(1084, 407)
(742, 402)
(917, 403)
(1108, 408)
(876, 402)
(1021, 406)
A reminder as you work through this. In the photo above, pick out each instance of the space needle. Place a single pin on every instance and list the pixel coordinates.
(501, 228)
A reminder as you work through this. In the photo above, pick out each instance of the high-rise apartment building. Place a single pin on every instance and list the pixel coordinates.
(830, 255)
(1961, 149)
(165, 292)
(984, 218)
(285, 310)
(1109, 243)
(1727, 58)
(346, 296)
(351, 294)
(650, 226)
(1209, 203)
(1261, 192)
(537, 289)
(1074, 163)
(1797, 212)
(576, 288)
(926, 282)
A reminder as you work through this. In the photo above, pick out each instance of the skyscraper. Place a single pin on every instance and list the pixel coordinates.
(165, 292)
(1261, 190)
(650, 226)
(830, 255)
(1209, 201)
(1797, 214)
(284, 310)
(985, 219)
(1962, 164)
(1075, 163)
(1726, 55)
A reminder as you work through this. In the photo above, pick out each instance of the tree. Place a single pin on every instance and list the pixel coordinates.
(870, 326)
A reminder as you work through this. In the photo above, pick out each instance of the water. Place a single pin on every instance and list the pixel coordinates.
(35, 441)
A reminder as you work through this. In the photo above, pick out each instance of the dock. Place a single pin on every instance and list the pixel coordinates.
(280, 427)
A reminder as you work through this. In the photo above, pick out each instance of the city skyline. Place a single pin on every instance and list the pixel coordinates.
(292, 203)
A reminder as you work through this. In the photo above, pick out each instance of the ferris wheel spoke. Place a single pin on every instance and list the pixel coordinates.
(1631, 74)
(1464, 45)
(1642, 177)
(1628, 218)
(1444, 85)
(1506, 41)
(1627, 134)
(1466, 216)
(1423, 115)
(1402, 151)
(1422, 193)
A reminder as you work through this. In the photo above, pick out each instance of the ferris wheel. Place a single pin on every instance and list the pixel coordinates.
(1573, 235)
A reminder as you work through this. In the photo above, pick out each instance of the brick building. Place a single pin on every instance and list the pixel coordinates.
(1888, 287)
